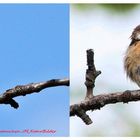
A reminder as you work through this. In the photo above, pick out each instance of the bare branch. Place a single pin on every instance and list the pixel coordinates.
(22, 90)
(96, 102)
(101, 100)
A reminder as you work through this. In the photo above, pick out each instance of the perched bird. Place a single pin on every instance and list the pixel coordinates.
(132, 57)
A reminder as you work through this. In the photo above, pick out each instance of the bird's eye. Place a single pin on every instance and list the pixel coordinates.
(138, 36)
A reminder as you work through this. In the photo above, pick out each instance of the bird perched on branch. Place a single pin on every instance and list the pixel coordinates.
(132, 57)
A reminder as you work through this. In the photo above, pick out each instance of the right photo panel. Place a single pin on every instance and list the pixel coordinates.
(104, 70)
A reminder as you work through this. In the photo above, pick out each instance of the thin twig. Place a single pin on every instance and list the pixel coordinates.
(91, 74)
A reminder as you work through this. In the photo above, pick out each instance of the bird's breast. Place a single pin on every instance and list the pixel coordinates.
(132, 62)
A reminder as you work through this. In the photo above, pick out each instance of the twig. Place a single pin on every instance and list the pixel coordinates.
(91, 74)
(22, 90)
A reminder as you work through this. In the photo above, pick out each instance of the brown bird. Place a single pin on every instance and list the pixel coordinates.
(132, 57)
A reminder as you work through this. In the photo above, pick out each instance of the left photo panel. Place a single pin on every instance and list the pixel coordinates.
(34, 60)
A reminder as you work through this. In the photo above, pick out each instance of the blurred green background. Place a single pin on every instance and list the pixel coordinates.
(106, 28)
(115, 8)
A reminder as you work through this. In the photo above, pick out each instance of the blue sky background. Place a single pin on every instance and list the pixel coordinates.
(34, 43)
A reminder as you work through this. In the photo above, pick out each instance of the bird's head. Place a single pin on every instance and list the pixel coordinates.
(136, 33)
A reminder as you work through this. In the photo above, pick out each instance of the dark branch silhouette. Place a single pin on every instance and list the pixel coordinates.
(22, 90)
(96, 102)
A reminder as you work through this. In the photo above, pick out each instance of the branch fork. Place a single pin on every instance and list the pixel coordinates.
(92, 102)
(91, 75)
